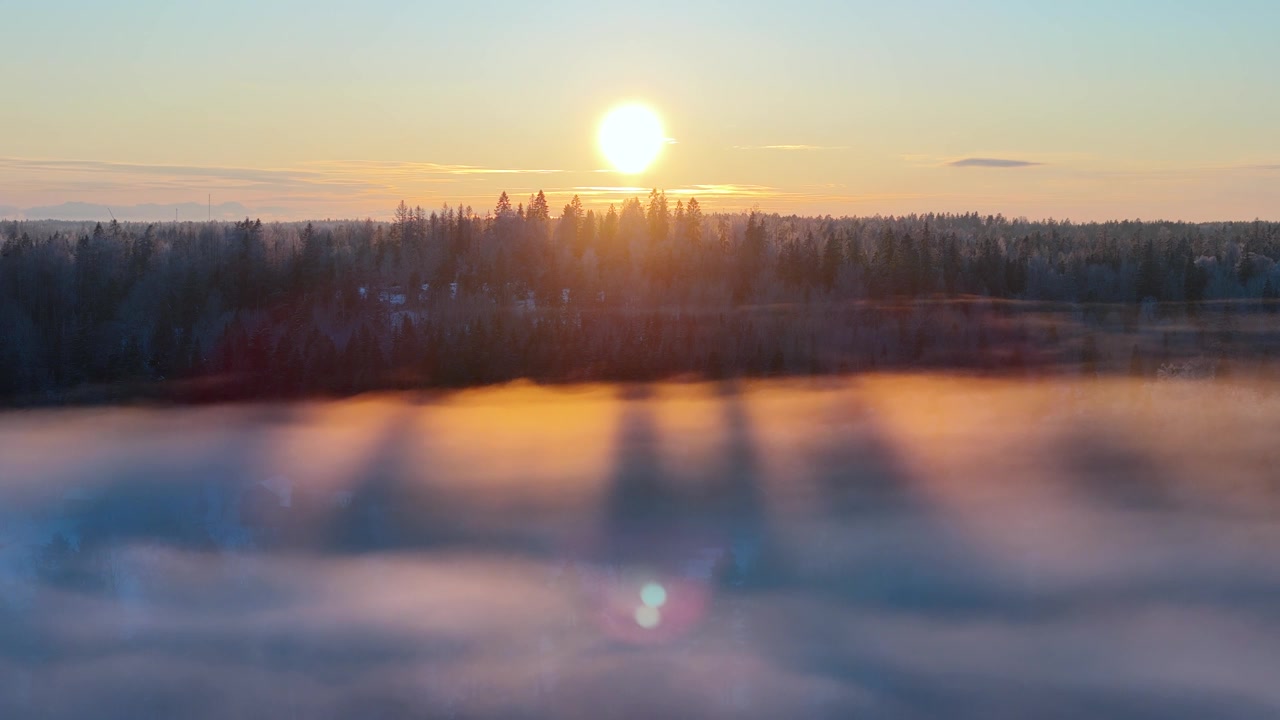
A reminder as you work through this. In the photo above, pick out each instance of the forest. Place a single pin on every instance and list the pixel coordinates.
(454, 297)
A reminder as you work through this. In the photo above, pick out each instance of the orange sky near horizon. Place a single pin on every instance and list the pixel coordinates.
(289, 110)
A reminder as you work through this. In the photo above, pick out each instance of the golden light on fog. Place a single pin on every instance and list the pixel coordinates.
(631, 137)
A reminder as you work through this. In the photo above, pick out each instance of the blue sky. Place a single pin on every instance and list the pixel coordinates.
(1129, 108)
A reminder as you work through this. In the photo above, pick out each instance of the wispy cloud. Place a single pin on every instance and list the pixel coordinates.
(318, 169)
(727, 189)
(607, 190)
(986, 162)
(89, 175)
(735, 197)
(323, 186)
(347, 177)
(148, 211)
(428, 168)
(95, 166)
(797, 148)
(721, 190)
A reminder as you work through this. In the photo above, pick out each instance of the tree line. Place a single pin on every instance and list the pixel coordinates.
(647, 290)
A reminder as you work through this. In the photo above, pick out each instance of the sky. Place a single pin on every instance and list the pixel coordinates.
(292, 109)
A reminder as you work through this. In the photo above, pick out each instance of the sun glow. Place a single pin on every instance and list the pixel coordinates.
(631, 137)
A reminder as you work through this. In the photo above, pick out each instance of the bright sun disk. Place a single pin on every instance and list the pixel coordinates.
(631, 137)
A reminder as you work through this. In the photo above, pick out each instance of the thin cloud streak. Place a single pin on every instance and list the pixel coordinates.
(320, 185)
(428, 168)
(721, 197)
(263, 175)
(93, 175)
(315, 172)
(725, 190)
(794, 148)
(985, 162)
(360, 188)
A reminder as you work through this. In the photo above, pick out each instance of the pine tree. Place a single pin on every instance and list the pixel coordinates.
(538, 209)
(1195, 281)
(693, 223)
(832, 258)
(1149, 276)
(658, 216)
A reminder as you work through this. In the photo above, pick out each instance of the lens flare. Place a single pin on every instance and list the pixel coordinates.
(648, 617)
(653, 595)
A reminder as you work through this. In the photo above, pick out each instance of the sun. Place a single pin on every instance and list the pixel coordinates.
(631, 137)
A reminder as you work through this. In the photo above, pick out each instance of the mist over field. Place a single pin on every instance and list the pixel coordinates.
(891, 545)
